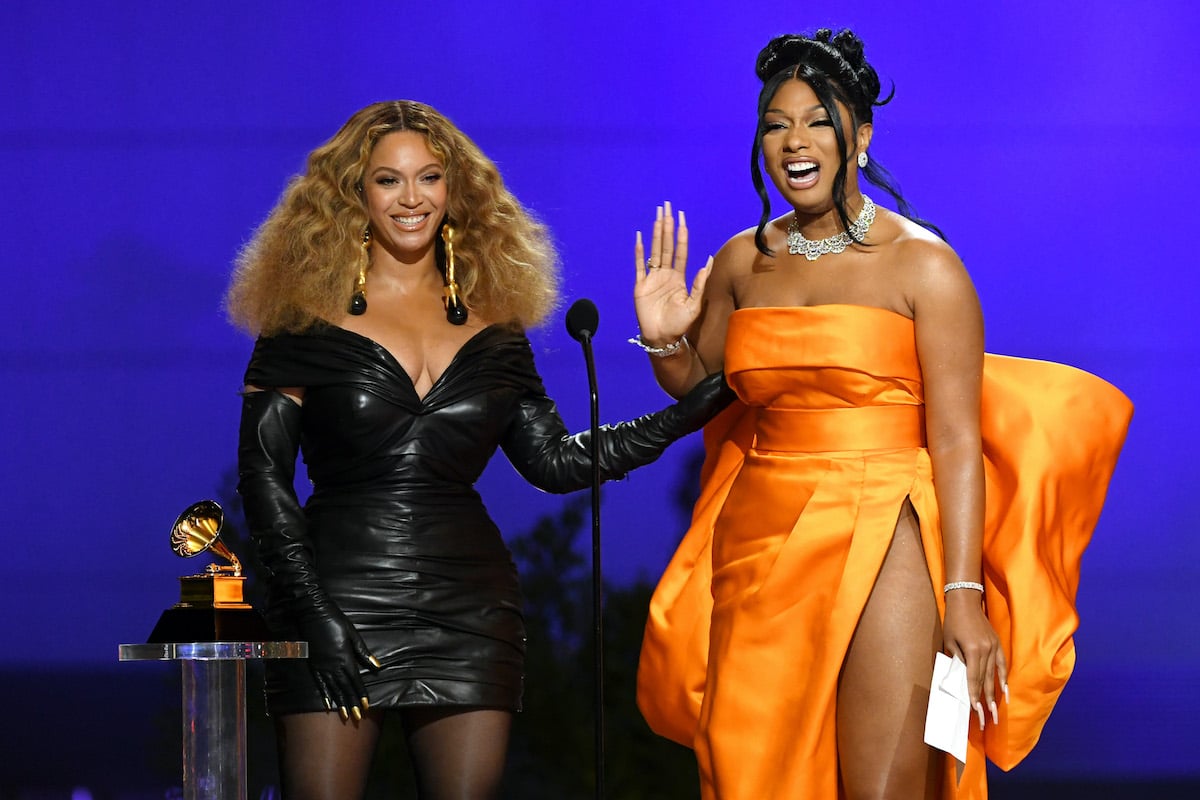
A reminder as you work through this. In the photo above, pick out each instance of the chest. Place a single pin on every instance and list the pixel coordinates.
(423, 344)
(848, 278)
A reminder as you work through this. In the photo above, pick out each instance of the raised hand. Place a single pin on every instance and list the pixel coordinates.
(665, 308)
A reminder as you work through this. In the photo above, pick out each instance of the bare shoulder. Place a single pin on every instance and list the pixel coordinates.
(737, 254)
(930, 265)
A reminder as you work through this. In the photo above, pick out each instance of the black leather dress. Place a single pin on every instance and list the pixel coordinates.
(394, 533)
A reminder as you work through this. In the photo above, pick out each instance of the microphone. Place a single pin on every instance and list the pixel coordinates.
(582, 319)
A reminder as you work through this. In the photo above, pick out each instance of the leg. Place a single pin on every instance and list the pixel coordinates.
(323, 758)
(458, 754)
(883, 690)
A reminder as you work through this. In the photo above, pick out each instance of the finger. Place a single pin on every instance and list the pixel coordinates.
(1002, 672)
(354, 688)
(655, 255)
(989, 687)
(668, 236)
(351, 692)
(323, 688)
(335, 697)
(974, 683)
(339, 696)
(700, 281)
(365, 656)
(639, 259)
(681, 245)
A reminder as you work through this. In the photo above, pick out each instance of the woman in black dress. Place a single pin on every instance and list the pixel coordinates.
(389, 290)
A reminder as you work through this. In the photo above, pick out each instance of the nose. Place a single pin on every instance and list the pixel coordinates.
(408, 195)
(795, 138)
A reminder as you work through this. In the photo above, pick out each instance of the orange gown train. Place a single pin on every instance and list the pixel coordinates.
(801, 488)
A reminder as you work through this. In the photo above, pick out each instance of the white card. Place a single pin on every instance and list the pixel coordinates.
(949, 714)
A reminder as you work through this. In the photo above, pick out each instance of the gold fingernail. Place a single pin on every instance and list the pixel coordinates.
(375, 661)
(342, 711)
(365, 703)
(354, 712)
(328, 705)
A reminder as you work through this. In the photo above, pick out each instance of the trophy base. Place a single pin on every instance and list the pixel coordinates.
(195, 624)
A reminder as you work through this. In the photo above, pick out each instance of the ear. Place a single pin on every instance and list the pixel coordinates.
(863, 137)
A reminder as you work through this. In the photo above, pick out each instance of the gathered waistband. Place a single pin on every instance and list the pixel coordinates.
(828, 429)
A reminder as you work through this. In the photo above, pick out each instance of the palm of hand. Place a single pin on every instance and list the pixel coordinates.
(664, 308)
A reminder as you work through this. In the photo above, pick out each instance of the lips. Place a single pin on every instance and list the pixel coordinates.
(801, 173)
(410, 221)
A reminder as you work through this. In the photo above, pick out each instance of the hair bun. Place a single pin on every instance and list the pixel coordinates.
(839, 55)
(850, 46)
(780, 53)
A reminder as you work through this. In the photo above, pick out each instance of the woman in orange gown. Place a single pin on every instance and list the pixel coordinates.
(882, 492)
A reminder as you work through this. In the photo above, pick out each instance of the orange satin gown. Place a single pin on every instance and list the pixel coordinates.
(800, 492)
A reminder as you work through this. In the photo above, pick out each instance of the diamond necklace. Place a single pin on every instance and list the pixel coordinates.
(812, 248)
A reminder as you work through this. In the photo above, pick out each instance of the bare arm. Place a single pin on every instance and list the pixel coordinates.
(949, 331)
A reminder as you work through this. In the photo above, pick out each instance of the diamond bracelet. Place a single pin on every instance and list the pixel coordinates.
(659, 352)
(950, 587)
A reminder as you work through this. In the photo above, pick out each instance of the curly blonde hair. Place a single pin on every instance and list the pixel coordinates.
(300, 265)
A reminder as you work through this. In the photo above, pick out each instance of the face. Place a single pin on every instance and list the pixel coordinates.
(800, 150)
(405, 189)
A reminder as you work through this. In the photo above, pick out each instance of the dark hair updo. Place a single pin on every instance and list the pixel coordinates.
(838, 72)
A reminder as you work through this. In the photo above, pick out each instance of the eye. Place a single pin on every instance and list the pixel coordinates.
(773, 126)
(385, 180)
(432, 177)
(822, 123)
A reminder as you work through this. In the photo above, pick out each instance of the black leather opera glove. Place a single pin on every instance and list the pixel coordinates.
(539, 446)
(268, 443)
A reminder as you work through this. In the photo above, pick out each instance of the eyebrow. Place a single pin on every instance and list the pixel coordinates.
(817, 107)
(431, 165)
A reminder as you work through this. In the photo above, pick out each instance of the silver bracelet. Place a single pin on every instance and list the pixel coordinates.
(659, 352)
(950, 587)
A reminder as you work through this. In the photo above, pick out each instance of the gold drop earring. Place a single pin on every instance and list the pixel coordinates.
(456, 312)
(358, 301)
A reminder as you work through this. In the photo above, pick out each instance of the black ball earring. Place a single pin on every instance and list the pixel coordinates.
(358, 300)
(456, 311)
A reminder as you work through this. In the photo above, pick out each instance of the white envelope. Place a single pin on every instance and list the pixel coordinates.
(949, 711)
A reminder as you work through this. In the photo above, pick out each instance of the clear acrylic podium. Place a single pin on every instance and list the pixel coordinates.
(214, 708)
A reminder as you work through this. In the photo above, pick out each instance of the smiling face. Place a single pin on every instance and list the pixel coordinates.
(800, 149)
(405, 190)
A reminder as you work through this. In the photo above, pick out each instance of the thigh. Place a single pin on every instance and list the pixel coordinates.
(883, 690)
(458, 753)
(322, 757)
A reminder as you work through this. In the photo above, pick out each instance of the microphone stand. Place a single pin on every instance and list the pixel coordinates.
(582, 321)
(597, 586)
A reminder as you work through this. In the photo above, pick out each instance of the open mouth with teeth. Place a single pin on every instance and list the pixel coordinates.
(408, 222)
(801, 172)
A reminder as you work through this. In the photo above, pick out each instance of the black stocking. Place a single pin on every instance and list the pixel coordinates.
(457, 754)
(323, 758)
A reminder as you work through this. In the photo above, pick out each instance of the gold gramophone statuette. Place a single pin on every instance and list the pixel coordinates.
(211, 605)
(198, 529)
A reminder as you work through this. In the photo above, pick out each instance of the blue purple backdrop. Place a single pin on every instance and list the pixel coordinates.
(1054, 143)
